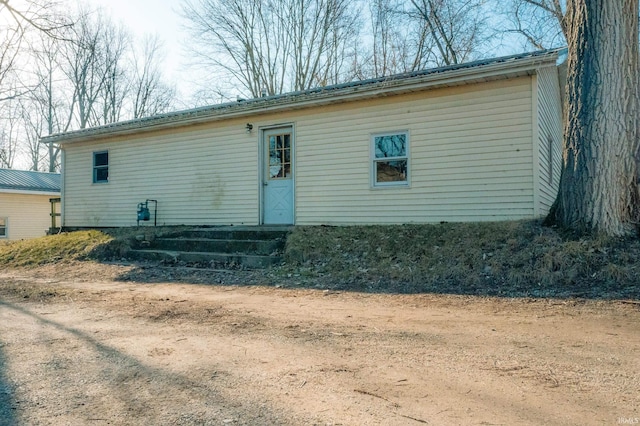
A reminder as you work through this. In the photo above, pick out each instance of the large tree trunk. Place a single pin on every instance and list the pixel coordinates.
(599, 189)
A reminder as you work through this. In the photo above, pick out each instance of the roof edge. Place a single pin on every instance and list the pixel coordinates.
(401, 83)
(28, 191)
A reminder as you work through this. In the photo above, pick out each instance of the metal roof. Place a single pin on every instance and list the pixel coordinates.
(22, 180)
(470, 72)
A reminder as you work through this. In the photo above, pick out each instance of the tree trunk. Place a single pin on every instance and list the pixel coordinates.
(599, 189)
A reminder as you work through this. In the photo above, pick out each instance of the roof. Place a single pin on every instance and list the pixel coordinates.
(26, 181)
(453, 75)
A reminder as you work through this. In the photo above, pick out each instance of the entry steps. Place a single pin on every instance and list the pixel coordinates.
(228, 247)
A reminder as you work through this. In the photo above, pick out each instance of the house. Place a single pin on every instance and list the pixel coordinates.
(474, 142)
(25, 209)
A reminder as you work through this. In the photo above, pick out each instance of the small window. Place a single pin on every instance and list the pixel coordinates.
(390, 159)
(280, 156)
(3, 227)
(100, 167)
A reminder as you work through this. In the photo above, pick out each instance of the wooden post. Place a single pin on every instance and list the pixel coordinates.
(53, 214)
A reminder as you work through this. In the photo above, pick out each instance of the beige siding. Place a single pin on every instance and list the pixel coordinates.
(199, 176)
(549, 143)
(28, 215)
(470, 159)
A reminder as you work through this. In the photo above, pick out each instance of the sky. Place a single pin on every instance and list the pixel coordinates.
(159, 17)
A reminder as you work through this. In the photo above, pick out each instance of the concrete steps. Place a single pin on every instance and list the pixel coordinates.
(224, 247)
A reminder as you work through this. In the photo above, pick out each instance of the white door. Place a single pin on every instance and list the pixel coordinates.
(277, 176)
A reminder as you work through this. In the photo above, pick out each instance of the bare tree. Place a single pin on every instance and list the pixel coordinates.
(541, 23)
(272, 46)
(77, 76)
(383, 25)
(33, 123)
(150, 95)
(50, 103)
(599, 186)
(114, 46)
(16, 19)
(237, 40)
(9, 133)
(10, 41)
(85, 69)
(400, 43)
(37, 14)
(409, 35)
(319, 30)
(94, 65)
(457, 28)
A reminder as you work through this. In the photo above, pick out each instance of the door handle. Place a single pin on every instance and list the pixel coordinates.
(265, 183)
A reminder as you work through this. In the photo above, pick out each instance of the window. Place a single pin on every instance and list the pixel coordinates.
(280, 156)
(3, 227)
(390, 159)
(100, 167)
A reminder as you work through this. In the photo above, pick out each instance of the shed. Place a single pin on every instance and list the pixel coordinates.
(25, 209)
(479, 141)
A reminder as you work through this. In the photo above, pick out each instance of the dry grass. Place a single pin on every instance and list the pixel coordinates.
(509, 259)
(519, 258)
(51, 249)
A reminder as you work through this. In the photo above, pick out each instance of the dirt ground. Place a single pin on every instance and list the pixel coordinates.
(79, 347)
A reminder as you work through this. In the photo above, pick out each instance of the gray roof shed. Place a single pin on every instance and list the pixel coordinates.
(27, 181)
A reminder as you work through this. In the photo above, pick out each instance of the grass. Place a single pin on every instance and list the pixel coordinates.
(519, 258)
(511, 259)
(52, 249)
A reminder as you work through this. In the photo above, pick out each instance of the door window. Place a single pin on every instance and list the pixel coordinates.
(279, 156)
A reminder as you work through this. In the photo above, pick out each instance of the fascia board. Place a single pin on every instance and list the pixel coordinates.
(28, 192)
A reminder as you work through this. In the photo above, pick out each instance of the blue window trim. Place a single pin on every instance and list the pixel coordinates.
(100, 167)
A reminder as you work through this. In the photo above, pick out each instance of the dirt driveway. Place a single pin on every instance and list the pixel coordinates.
(90, 350)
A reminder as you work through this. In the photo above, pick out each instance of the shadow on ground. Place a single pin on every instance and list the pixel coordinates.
(121, 376)
(286, 277)
(497, 259)
(6, 394)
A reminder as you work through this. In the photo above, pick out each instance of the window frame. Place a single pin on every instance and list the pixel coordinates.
(96, 168)
(4, 225)
(285, 167)
(374, 160)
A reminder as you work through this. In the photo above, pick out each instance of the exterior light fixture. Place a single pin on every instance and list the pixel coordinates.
(249, 127)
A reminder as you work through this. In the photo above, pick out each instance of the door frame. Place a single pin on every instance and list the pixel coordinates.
(262, 169)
